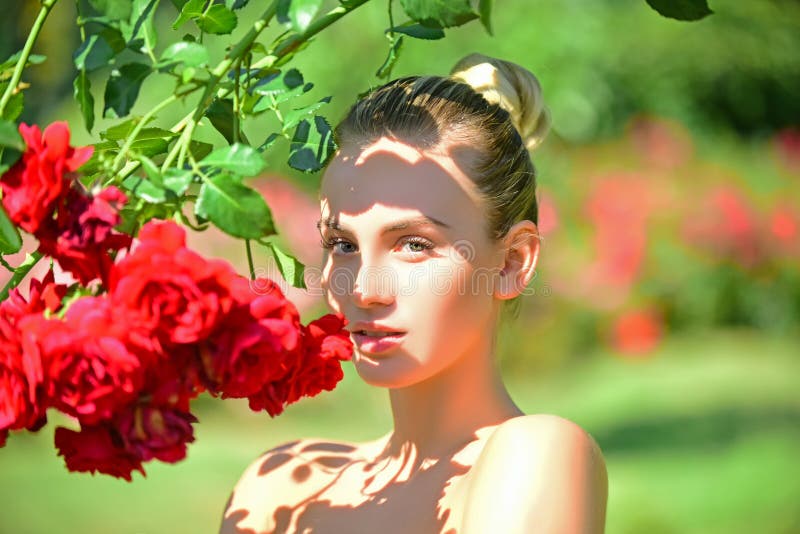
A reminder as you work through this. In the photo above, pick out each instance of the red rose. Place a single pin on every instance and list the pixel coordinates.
(251, 347)
(315, 368)
(91, 372)
(156, 432)
(97, 448)
(22, 387)
(82, 234)
(33, 185)
(166, 293)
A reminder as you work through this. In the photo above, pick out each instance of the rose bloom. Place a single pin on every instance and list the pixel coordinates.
(151, 431)
(22, 379)
(315, 367)
(90, 371)
(82, 234)
(252, 346)
(33, 185)
(166, 293)
(97, 448)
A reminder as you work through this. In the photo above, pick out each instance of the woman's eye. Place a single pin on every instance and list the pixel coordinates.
(338, 245)
(416, 245)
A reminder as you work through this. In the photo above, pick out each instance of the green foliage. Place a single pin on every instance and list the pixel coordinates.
(681, 9)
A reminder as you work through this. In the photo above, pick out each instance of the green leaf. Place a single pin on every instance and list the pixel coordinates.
(292, 118)
(199, 149)
(93, 53)
(113, 9)
(485, 12)
(234, 208)
(290, 268)
(277, 83)
(82, 90)
(140, 27)
(8, 65)
(418, 31)
(681, 9)
(10, 240)
(217, 20)
(151, 170)
(220, 113)
(190, 10)
(177, 180)
(185, 53)
(385, 70)
(236, 4)
(15, 104)
(312, 145)
(439, 13)
(122, 89)
(120, 131)
(10, 137)
(240, 159)
(298, 13)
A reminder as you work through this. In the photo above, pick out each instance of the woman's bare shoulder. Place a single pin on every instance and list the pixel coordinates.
(539, 463)
(279, 479)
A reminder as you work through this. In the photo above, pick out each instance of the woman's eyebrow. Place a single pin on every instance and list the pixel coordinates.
(425, 220)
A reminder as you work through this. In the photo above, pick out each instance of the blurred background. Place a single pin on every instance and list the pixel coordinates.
(666, 313)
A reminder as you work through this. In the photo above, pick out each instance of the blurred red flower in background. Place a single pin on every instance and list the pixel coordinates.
(637, 331)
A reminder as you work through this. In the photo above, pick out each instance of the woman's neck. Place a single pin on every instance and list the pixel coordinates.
(436, 417)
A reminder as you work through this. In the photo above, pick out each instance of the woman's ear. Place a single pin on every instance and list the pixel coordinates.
(521, 252)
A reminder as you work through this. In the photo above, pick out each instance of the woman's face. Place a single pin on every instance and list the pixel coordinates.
(408, 260)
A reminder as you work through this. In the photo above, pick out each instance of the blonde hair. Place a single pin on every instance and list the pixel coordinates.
(492, 107)
(513, 88)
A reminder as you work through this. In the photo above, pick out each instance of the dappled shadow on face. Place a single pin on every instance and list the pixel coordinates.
(335, 492)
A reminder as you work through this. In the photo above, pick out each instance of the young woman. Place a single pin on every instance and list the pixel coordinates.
(428, 221)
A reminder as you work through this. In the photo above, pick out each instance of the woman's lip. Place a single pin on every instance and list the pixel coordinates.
(377, 345)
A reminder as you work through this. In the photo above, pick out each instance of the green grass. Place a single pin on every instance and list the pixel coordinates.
(701, 437)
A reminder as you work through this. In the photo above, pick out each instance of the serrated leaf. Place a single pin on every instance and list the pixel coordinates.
(312, 145)
(385, 70)
(681, 9)
(234, 208)
(239, 159)
(82, 91)
(418, 31)
(190, 10)
(218, 20)
(113, 9)
(185, 53)
(292, 118)
(122, 89)
(439, 13)
(93, 53)
(10, 137)
(14, 106)
(290, 268)
(298, 13)
(10, 240)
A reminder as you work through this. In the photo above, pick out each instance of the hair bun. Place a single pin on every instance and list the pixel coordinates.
(513, 88)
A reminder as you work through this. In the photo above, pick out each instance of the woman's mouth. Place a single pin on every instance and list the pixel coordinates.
(376, 342)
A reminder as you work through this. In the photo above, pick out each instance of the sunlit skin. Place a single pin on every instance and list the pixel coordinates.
(407, 247)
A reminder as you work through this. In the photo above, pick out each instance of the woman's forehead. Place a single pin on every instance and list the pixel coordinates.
(397, 176)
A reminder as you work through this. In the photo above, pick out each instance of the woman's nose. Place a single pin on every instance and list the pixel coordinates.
(374, 285)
